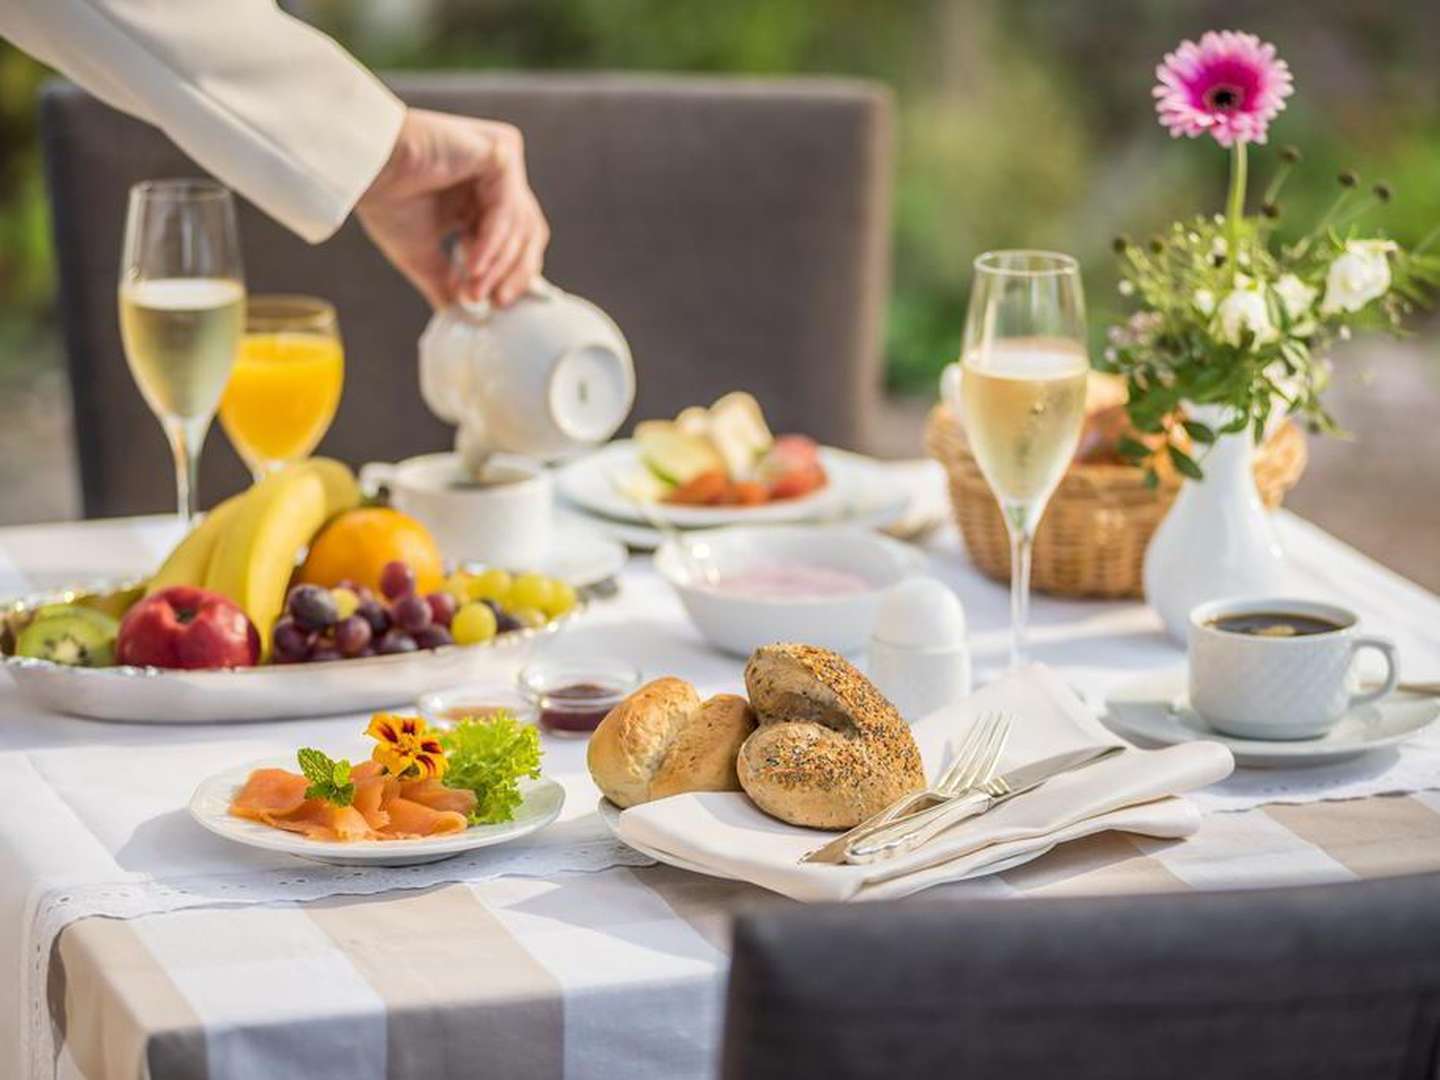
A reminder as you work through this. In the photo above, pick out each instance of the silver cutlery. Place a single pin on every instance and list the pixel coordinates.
(974, 763)
(899, 837)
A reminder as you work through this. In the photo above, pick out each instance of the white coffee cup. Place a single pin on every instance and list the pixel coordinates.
(547, 376)
(1291, 687)
(503, 520)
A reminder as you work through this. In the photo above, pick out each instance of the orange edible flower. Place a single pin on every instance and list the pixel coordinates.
(406, 747)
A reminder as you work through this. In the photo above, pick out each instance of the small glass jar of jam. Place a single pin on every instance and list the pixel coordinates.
(446, 708)
(573, 696)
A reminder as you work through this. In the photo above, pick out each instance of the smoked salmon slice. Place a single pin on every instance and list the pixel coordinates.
(383, 808)
(434, 794)
(269, 792)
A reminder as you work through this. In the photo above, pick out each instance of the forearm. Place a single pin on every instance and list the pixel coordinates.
(272, 107)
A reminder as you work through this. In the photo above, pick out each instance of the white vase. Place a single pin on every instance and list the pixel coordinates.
(1217, 540)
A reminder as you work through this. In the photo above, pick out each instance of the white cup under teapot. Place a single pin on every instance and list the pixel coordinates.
(545, 377)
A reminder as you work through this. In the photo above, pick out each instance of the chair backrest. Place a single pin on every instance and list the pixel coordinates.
(737, 230)
(1326, 983)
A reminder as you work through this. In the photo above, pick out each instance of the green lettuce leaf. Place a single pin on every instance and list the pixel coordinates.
(489, 756)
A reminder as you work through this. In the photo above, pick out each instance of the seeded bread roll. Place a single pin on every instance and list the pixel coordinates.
(663, 740)
(830, 750)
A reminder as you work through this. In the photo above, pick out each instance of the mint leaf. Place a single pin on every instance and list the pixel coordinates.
(329, 779)
(489, 756)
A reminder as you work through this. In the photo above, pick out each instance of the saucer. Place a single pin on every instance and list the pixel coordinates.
(1154, 708)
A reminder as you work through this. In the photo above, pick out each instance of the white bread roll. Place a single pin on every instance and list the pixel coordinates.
(830, 750)
(663, 740)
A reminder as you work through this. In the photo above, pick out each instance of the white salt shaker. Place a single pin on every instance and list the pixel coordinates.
(917, 655)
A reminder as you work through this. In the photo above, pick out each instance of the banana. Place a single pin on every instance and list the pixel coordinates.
(256, 552)
(341, 491)
(189, 562)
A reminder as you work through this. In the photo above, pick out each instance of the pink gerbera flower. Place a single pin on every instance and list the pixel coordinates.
(1230, 86)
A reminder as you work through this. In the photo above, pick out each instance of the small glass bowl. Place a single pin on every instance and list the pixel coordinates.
(571, 697)
(445, 708)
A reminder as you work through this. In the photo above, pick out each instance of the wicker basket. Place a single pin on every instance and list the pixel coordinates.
(1091, 541)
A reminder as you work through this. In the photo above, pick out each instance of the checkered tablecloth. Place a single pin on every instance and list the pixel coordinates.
(618, 972)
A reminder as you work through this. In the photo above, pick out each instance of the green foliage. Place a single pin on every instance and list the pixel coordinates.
(1231, 317)
(329, 780)
(489, 756)
(1020, 122)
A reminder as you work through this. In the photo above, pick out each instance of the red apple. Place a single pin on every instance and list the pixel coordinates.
(186, 627)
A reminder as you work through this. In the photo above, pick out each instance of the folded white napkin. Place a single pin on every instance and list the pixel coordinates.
(724, 833)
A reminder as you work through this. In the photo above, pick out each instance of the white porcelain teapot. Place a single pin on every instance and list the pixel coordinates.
(547, 376)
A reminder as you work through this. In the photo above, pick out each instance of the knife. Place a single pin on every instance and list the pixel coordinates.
(897, 837)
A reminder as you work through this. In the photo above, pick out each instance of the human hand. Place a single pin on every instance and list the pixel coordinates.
(449, 174)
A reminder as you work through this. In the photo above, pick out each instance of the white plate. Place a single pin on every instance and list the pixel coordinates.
(881, 506)
(210, 806)
(268, 692)
(1154, 708)
(589, 482)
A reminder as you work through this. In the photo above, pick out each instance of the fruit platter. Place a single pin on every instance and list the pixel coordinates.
(289, 600)
(715, 466)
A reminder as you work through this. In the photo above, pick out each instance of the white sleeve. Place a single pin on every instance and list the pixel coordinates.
(272, 107)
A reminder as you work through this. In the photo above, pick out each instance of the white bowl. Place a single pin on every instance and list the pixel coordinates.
(738, 623)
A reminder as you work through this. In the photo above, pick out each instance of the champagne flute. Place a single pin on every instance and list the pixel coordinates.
(182, 310)
(286, 385)
(1023, 369)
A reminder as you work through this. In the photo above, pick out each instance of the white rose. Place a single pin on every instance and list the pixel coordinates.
(1360, 273)
(1242, 310)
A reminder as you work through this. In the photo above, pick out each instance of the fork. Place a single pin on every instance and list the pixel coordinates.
(974, 763)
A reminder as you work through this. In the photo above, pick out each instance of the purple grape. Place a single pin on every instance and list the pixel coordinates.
(292, 644)
(397, 579)
(352, 635)
(369, 650)
(395, 641)
(432, 637)
(442, 607)
(411, 613)
(312, 607)
(505, 622)
(374, 613)
(323, 651)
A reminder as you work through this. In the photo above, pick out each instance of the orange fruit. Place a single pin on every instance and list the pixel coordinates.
(356, 545)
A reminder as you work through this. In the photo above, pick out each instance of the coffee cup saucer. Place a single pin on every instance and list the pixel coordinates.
(1154, 709)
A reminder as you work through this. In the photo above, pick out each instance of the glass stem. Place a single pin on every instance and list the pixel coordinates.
(186, 438)
(1021, 543)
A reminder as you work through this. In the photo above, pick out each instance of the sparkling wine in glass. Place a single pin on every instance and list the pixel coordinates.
(1023, 369)
(182, 310)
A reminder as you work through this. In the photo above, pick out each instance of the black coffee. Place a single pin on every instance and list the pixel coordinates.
(1274, 624)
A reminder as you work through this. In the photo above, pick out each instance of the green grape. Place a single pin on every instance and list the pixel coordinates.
(562, 599)
(473, 624)
(529, 591)
(488, 585)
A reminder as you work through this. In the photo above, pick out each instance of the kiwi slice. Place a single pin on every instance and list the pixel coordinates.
(73, 635)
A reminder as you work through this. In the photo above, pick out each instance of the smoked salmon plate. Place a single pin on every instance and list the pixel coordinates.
(423, 794)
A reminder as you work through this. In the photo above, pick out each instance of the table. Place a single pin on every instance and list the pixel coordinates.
(620, 971)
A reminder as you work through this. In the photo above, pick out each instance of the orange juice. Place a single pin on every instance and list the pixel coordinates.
(282, 396)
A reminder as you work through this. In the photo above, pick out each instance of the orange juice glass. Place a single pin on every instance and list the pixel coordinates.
(285, 387)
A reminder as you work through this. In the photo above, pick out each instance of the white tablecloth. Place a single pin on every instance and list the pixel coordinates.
(1094, 645)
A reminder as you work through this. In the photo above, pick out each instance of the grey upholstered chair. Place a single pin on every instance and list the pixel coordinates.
(1326, 983)
(737, 230)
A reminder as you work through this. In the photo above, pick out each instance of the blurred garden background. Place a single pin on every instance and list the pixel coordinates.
(1021, 123)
